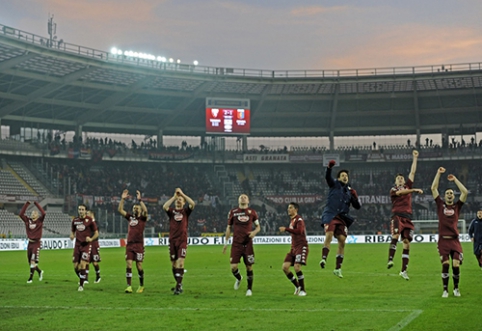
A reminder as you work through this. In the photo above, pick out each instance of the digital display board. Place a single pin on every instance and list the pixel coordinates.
(228, 121)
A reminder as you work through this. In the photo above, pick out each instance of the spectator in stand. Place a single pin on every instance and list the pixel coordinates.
(33, 226)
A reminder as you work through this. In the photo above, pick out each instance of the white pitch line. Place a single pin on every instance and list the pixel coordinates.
(404, 322)
(225, 309)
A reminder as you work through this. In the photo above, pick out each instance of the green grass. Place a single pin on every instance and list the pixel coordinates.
(369, 297)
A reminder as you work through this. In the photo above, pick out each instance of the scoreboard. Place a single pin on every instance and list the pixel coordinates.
(228, 116)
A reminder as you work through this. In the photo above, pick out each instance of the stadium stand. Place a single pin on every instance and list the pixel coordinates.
(59, 88)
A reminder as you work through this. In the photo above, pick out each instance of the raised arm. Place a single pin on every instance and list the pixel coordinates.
(39, 207)
(188, 199)
(329, 178)
(169, 202)
(436, 181)
(413, 169)
(24, 209)
(141, 203)
(463, 190)
(120, 209)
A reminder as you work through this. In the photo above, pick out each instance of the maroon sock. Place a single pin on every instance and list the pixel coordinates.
(179, 276)
(293, 279)
(237, 274)
(405, 258)
(324, 253)
(456, 276)
(393, 249)
(339, 261)
(31, 273)
(250, 277)
(301, 279)
(141, 277)
(445, 276)
(129, 276)
(82, 277)
(87, 273)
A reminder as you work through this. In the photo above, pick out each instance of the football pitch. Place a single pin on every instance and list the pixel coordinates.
(369, 297)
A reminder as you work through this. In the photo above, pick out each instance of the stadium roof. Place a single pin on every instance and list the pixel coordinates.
(60, 86)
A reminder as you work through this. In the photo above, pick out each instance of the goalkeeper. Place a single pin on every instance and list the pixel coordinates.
(335, 218)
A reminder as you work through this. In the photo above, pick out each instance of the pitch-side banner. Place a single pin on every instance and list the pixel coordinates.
(266, 158)
(65, 243)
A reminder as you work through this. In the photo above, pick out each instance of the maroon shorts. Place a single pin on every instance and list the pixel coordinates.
(450, 248)
(297, 255)
(82, 252)
(135, 252)
(177, 249)
(402, 226)
(244, 251)
(33, 251)
(338, 227)
(95, 254)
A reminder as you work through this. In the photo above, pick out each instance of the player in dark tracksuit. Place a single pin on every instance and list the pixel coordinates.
(475, 233)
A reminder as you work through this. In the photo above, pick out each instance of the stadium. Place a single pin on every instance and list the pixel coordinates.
(66, 111)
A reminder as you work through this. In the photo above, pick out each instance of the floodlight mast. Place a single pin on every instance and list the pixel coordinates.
(52, 30)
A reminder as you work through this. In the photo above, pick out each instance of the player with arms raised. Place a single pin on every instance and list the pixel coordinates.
(135, 238)
(33, 226)
(448, 235)
(82, 229)
(401, 219)
(178, 224)
(240, 223)
(299, 249)
(335, 217)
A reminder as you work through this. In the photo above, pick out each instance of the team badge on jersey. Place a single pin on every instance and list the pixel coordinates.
(243, 218)
(178, 217)
(133, 221)
(449, 211)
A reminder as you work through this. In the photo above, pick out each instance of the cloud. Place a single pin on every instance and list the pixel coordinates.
(316, 10)
(410, 45)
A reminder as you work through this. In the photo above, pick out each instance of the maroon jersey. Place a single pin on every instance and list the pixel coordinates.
(83, 228)
(242, 221)
(448, 217)
(135, 233)
(33, 228)
(178, 221)
(298, 232)
(402, 204)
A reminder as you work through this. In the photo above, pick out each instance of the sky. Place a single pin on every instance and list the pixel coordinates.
(267, 35)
